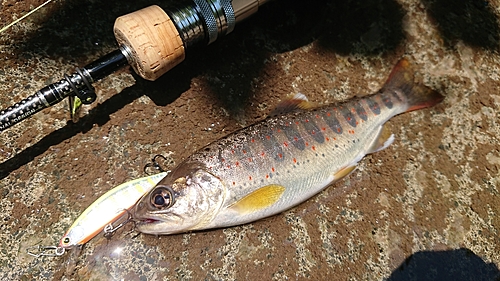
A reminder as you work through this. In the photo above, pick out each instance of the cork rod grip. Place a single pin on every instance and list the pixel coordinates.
(153, 42)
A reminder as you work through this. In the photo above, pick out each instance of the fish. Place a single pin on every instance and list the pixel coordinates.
(280, 162)
(106, 209)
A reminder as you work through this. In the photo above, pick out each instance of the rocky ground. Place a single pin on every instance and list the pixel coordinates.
(426, 208)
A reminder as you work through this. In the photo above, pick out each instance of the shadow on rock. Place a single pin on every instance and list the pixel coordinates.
(471, 21)
(75, 30)
(460, 264)
(78, 31)
(99, 115)
(367, 28)
(363, 27)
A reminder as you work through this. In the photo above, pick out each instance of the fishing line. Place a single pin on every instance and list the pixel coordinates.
(23, 17)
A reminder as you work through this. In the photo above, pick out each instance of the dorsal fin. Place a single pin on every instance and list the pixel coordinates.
(291, 103)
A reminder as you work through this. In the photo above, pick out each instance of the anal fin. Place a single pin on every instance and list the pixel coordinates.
(384, 138)
(259, 199)
(343, 172)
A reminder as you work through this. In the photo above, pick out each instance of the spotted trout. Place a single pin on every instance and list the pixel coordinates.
(273, 165)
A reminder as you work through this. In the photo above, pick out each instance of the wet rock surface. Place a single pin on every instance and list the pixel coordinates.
(425, 208)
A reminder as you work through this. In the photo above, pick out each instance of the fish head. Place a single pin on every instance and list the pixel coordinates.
(187, 199)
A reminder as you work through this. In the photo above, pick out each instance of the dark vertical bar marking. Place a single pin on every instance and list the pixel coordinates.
(348, 115)
(373, 105)
(386, 99)
(361, 111)
(332, 122)
(293, 135)
(313, 130)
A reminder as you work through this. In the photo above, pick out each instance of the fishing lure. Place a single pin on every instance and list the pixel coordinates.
(279, 162)
(110, 206)
(101, 214)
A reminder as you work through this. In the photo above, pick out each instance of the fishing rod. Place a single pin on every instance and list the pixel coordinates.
(152, 40)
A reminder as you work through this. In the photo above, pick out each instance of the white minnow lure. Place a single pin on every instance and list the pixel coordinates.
(105, 210)
(279, 162)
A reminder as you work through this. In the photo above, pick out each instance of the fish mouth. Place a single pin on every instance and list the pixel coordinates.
(147, 221)
(148, 224)
(156, 220)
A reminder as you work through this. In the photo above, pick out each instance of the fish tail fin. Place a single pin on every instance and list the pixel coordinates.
(417, 95)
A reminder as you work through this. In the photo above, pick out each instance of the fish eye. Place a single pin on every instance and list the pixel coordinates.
(163, 197)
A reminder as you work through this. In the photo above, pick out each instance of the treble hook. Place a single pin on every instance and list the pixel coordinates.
(155, 164)
(109, 229)
(46, 251)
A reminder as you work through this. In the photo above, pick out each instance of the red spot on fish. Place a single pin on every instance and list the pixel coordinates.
(272, 169)
(307, 120)
(222, 159)
(249, 159)
(253, 140)
(244, 151)
(348, 118)
(294, 160)
(313, 147)
(307, 144)
(327, 139)
(338, 130)
(232, 151)
(317, 116)
(334, 138)
(229, 166)
(249, 177)
(295, 138)
(268, 137)
(353, 110)
(285, 144)
(280, 155)
(267, 176)
(279, 130)
(328, 114)
(313, 132)
(234, 183)
(262, 153)
(237, 163)
(323, 129)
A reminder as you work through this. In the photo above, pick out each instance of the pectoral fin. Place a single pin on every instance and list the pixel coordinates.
(259, 199)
